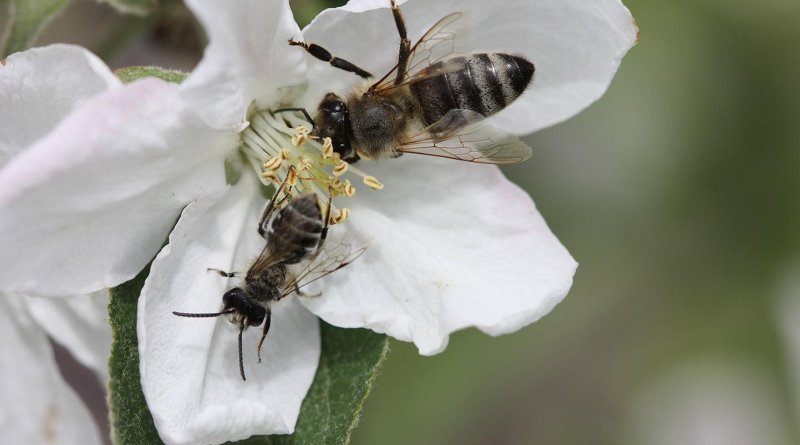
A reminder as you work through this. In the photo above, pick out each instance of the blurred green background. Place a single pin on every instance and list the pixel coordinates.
(678, 194)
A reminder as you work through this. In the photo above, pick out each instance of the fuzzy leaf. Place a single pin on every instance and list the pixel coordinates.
(131, 422)
(26, 19)
(347, 369)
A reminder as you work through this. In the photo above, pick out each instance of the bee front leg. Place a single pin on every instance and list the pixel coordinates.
(267, 322)
(223, 273)
(405, 44)
(323, 54)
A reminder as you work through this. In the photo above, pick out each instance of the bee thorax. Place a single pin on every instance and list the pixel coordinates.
(267, 285)
(377, 125)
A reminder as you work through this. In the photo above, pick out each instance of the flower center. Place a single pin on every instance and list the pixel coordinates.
(284, 148)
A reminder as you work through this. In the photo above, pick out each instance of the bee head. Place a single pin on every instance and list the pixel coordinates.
(332, 121)
(243, 310)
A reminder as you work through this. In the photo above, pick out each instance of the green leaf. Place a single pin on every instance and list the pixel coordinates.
(26, 19)
(138, 7)
(131, 422)
(131, 73)
(347, 369)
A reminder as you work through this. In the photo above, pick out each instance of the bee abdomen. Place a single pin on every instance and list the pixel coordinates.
(488, 83)
(296, 230)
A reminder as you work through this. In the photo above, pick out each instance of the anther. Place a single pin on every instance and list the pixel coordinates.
(340, 168)
(273, 163)
(348, 188)
(327, 148)
(373, 183)
(342, 215)
(300, 136)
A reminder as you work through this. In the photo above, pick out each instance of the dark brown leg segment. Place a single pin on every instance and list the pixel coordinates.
(405, 44)
(323, 54)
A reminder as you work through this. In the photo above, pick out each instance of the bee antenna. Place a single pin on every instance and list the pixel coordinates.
(241, 360)
(202, 315)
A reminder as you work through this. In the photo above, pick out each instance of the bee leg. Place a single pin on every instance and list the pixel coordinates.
(302, 110)
(304, 294)
(405, 44)
(323, 54)
(325, 222)
(223, 273)
(266, 215)
(267, 322)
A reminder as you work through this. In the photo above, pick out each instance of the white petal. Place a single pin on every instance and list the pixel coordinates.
(461, 247)
(90, 204)
(189, 366)
(39, 407)
(248, 58)
(576, 46)
(80, 324)
(40, 86)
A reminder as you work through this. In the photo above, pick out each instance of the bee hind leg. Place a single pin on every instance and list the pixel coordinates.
(304, 294)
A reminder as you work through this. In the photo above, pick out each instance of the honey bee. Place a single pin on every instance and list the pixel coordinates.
(296, 234)
(431, 102)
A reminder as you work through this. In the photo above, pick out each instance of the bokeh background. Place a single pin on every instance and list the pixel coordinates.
(678, 194)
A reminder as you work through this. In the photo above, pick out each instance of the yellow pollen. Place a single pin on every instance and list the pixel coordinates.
(327, 148)
(270, 176)
(348, 188)
(342, 215)
(273, 163)
(291, 177)
(340, 168)
(373, 183)
(303, 163)
(300, 136)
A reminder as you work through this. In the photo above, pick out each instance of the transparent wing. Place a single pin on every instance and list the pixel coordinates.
(435, 45)
(326, 262)
(266, 259)
(467, 136)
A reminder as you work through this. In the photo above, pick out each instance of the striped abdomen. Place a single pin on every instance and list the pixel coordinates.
(488, 83)
(296, 230)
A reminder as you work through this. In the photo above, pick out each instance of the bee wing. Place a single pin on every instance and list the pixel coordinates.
(326, 262)
(266, 259)
(436, 44)
(467, 136)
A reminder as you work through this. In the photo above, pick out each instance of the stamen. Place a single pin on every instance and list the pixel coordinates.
(284, 149)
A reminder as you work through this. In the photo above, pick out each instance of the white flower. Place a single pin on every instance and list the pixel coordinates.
(38, 405)
(453, 244)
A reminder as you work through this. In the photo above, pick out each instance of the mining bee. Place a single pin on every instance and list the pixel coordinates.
(431, 102)
(295, 235)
